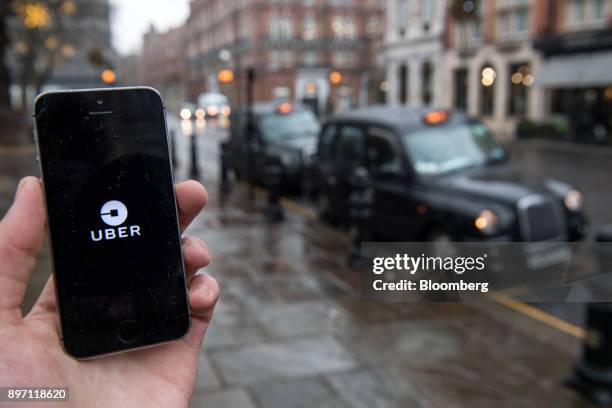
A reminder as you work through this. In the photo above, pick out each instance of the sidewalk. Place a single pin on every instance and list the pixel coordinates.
(288, 332)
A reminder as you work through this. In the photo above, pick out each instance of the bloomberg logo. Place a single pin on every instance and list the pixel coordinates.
(114, 213)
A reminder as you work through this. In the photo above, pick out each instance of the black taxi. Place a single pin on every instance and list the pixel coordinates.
(439, 173)
(282, 130)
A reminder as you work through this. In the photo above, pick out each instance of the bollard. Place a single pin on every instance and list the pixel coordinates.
(252, 151)
(225, 185)
(195, 170)
(361, 205)
(273, 180)
(592, 375)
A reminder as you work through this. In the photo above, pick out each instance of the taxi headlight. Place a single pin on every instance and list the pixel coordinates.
(185, 114)
(573, 200)
(487, 222)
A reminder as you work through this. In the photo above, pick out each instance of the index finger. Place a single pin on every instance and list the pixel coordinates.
(191, 198)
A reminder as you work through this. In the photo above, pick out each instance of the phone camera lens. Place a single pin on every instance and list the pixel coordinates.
(100, 101)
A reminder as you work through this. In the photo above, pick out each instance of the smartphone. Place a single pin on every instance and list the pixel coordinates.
(112, 219)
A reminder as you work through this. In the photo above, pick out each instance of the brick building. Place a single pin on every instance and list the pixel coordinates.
(162, 64)
(293, 46)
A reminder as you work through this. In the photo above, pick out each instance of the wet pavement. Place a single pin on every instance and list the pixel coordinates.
(291, 331)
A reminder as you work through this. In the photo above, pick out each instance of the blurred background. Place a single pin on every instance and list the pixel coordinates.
(314, 125)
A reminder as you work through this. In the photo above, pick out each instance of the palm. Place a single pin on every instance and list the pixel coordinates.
(31, 353)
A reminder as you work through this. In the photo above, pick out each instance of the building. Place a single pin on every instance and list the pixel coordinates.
(162, 64)
(576, 73)
(128, 69)
(490, 61)
(414, 51)
(292, 46)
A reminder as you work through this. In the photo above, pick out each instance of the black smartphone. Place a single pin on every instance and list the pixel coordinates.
(112, 219)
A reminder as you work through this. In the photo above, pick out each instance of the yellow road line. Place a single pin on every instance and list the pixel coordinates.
(539, 315)
(498, 297)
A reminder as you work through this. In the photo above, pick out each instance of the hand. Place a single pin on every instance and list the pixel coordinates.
(30, 350)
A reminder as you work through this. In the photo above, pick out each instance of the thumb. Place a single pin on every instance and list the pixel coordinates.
(22, 233)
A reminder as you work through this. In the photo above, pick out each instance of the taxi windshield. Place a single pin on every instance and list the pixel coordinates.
(278, 126)
(442, 150)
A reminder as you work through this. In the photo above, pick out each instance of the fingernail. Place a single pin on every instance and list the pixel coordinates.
(22, 183)
(205, 289)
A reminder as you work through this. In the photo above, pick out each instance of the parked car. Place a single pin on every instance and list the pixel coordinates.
(281, 130)
(439, 174)
(212, 105)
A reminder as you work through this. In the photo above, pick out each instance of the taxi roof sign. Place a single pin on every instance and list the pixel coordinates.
(436, 117)
(285, 108)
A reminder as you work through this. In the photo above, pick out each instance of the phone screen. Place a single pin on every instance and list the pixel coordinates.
(112, 219)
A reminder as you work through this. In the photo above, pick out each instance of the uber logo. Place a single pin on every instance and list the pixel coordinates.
(114, 213)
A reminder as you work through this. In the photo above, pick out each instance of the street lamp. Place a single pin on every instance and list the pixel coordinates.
(335, 78)
(108, 76)
(226, 76)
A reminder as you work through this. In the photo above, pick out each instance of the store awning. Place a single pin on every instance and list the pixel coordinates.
(592, 69)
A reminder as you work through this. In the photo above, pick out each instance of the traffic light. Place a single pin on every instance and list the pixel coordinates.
(108, 76)
(225, 76)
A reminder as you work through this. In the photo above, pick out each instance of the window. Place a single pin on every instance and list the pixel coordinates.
(468, 33)
(286, 26)
(487, 89)
(522, 20)
(382, 154)
(402, 73)
(310, 58)
(286, 58)
(441, 150)
(403, 16)
(309, 29)
(274, 25)
(326, 142)
(513, 20)
(578, 12)
(274, 59)
(427, 83)
(461, 89)
(350, 145)
(373, 25)
(598, 10)
(428, 12)
(344, 27)
(343, 59)
(520, 79)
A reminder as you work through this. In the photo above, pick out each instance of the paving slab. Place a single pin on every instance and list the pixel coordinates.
(282, 360)
(301, 393)
(230, 398)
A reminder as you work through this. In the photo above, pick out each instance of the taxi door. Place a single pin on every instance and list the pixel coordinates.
(394, 206)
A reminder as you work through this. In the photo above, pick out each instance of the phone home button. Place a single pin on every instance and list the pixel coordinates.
(128, 331)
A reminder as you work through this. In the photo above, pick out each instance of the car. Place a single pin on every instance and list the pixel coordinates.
(280, 130)
(439, 175)
(212, 105)
(187, 111)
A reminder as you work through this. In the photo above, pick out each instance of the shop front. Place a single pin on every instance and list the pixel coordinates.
(577, 77)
